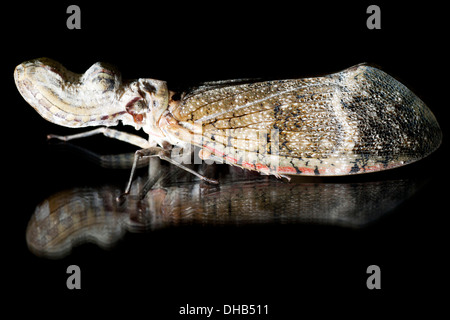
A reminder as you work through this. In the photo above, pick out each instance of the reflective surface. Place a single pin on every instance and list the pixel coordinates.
(93, 214)
(298, 269)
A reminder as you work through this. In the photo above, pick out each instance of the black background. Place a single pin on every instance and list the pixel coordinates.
(295, 269)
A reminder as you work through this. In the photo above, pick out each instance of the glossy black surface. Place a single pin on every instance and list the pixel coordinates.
(293, 266)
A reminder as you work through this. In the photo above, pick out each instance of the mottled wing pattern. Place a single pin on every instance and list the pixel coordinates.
(358, 120)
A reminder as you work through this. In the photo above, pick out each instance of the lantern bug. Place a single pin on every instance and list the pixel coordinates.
(358, 120)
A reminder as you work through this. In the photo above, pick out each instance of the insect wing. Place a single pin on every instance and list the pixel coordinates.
(355, 121)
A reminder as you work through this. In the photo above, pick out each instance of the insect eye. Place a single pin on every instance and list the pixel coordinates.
(140, 106)
(138, 109)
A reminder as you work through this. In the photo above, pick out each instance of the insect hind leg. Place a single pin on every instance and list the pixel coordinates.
(163, 154)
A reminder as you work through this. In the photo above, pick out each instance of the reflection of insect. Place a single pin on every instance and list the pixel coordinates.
(90, 214)
(355, 121)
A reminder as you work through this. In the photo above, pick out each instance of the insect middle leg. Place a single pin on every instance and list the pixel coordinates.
(107, 132)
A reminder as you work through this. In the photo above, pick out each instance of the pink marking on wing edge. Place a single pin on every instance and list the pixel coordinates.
(262, 167)
(307, 170)
(231, 159)
(221, 154)
(287, 170)
(248, 165)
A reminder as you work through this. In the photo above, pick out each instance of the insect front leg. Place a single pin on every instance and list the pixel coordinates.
(107, 132)
(163, 154)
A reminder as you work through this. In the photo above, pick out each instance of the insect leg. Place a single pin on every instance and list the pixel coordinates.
(178, 164)
(109, 161)
(110, 133)
(157, 178)
(163, 155)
